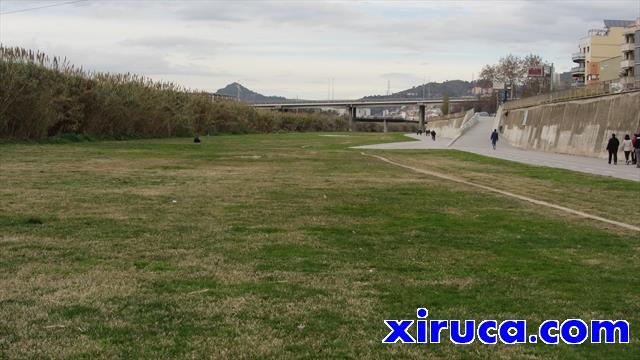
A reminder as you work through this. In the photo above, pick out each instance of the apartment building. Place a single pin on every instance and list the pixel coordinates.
(630, 61)
(609, 69)
(597, 46)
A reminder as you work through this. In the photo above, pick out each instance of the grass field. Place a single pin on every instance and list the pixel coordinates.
(294, 245)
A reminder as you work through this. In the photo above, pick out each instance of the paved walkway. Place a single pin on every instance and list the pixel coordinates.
(476, 140)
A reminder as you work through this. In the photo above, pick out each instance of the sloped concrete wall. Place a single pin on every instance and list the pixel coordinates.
(449, 128)
(578, 127)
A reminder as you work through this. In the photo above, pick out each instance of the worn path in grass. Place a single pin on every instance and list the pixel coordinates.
(510, 194)
(296, 246)
(476, 140)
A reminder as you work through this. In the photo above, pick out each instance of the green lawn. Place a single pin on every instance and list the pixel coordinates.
(294, 245)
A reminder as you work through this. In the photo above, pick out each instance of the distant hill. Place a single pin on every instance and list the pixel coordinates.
(236, 90)
(454, 88)
(434, 90)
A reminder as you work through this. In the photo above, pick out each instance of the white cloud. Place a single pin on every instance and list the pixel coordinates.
(292, 47)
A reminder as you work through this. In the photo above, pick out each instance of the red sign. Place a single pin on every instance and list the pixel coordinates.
(535, 71)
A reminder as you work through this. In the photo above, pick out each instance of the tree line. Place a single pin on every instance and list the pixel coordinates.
(513, 70)
(42, 96)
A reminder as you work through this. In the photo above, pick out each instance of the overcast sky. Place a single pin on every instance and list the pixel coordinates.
(292, 48)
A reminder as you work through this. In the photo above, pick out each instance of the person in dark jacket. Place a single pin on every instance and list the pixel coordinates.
(634, 142)
(612, 148)
(494, 138)
(433, 135)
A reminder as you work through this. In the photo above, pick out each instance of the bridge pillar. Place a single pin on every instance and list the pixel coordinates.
(384, 123)
(423, 110)
(351, 112)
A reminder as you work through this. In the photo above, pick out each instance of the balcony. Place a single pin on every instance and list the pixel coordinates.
(624, 64)
(598, 32)
(628, 47)
(577, 70)
(578, 57)
(629, 30)
(627, 80)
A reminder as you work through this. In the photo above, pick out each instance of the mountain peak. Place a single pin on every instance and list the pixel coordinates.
(238, 91)
(433, 90)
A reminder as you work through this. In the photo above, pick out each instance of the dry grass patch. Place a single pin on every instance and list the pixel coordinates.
(300, 252)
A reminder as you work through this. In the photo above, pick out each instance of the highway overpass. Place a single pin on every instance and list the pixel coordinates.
(352, 105)
(361, 103)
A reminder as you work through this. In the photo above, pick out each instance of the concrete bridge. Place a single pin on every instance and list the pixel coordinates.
(352, 105)
(384, 120)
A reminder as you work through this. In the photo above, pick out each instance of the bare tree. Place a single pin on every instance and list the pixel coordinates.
(513, 70)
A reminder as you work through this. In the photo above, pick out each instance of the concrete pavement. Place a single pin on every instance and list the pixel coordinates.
(476, 140)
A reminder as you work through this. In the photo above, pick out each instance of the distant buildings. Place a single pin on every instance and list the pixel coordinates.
(481, 91)
(608, 69)
(598, 46)
(363, 112)
(562, 81)
(433, 112)
(630, 61)
(481, 88)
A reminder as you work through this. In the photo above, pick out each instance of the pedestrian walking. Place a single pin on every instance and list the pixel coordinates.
(634, 142)
(433, 135)
(627, 147)
(494, 138)
(612, 148)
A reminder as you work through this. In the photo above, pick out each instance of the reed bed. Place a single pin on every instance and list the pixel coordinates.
(43, 96)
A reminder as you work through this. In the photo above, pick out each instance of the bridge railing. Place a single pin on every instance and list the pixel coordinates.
(587, 91)
(362, 103)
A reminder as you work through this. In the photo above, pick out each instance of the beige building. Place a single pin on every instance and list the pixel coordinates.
(609, 69)
(598, 46)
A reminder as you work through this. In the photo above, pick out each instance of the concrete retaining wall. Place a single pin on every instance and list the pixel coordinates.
(449, 128)
(578, 127)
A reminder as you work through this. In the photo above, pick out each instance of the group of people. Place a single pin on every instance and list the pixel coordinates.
(630, 147)
(427, 133)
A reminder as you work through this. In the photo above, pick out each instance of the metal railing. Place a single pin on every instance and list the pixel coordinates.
(578, 56)
(577, 69)
(598, 32)
(599, 89)
(627, 63)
